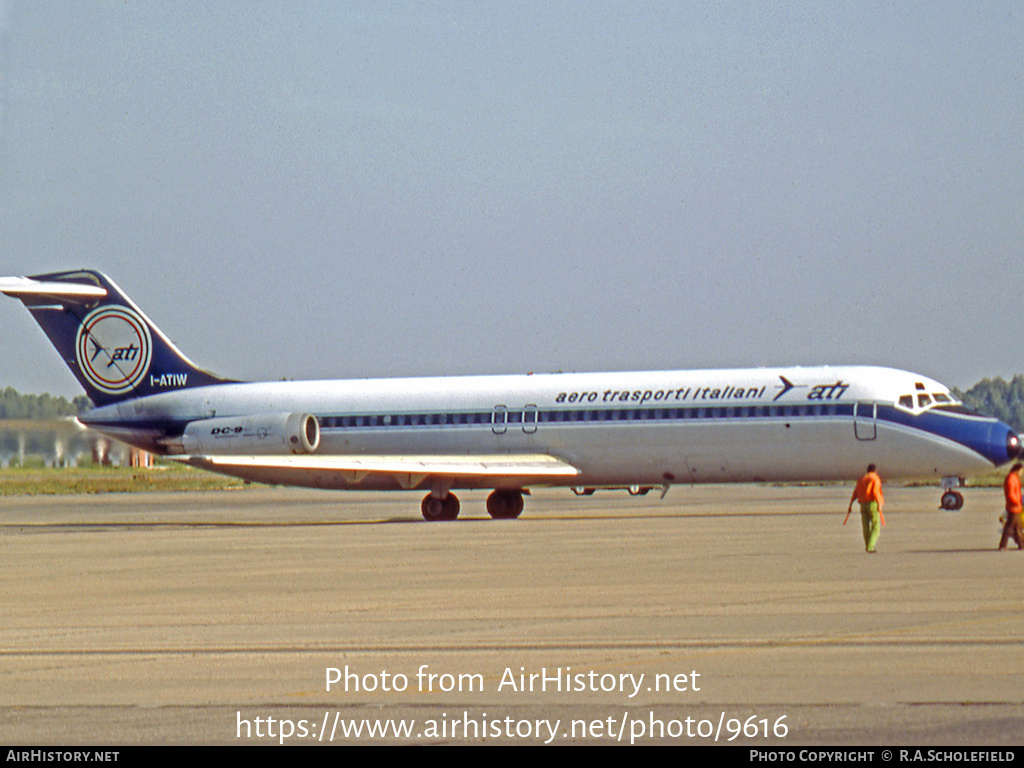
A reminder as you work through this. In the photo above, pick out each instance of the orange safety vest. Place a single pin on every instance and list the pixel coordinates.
(869, 488)
(1011, 489)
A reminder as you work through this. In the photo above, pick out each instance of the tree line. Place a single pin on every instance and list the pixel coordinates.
(995, 397)
(15, 405)
(998, 397)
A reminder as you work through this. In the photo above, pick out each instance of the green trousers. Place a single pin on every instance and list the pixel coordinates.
(872, 524)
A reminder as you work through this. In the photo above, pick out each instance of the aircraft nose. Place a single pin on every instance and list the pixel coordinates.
(1014, 445)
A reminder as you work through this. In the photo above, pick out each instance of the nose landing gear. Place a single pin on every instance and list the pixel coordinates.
(951, 500)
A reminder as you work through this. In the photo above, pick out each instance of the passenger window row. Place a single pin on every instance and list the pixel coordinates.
(512, 416)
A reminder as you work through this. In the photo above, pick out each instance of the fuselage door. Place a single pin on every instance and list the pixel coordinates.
(529, 419)
(864, 426)
(499, 419)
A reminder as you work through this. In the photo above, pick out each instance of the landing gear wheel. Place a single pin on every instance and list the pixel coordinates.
(435, 509)
(952, 500)
(505, 505)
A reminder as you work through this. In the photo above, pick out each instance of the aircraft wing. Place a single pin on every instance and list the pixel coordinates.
(406, 471)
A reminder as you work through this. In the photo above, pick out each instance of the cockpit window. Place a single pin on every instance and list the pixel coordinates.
(922, 401)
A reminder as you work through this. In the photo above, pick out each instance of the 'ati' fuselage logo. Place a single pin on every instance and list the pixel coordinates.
(114, 348)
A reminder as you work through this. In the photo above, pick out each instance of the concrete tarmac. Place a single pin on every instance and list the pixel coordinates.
(743, 612)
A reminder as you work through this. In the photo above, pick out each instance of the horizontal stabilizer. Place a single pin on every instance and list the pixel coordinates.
(26, 287)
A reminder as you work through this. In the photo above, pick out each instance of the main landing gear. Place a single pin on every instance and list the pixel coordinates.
(435, 509)
(505, 505)
(501, 505)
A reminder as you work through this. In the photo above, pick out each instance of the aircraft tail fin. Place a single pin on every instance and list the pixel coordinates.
(114, 350)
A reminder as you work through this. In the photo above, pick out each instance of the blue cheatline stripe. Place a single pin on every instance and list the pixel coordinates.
(982, 434)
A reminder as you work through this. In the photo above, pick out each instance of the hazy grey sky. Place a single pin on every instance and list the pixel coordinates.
(347, 189)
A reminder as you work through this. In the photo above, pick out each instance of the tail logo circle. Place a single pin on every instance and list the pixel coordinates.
(114, 348)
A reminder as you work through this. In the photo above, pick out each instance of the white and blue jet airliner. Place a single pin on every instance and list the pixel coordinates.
(636, 430)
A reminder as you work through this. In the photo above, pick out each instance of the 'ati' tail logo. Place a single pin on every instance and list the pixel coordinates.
(114, 348)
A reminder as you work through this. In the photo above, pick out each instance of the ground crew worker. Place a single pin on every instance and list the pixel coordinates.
(869, 494)
(1011, 490)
